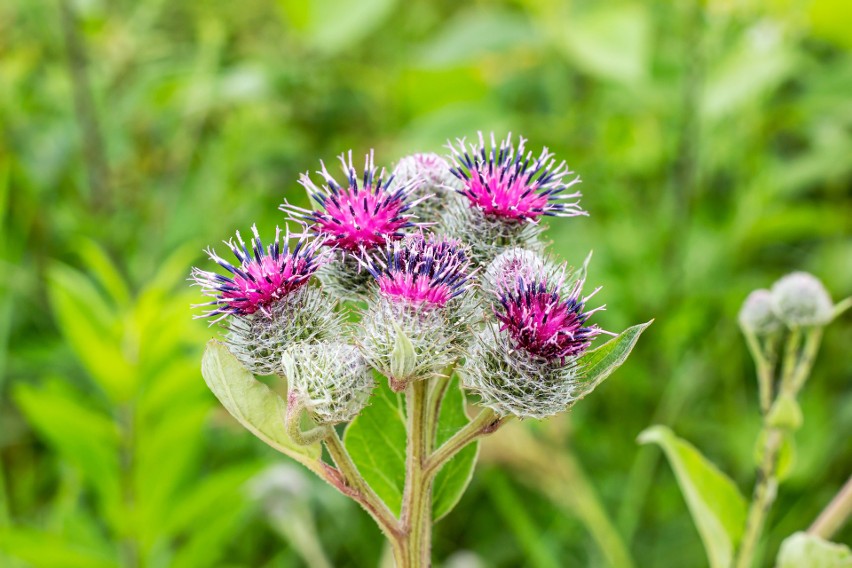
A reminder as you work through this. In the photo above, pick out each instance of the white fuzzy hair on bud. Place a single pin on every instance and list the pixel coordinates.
(513, 382)
(486, 236)
(427, 340)
(757, 314)
(800, 299)
(345, 278)
(512, 263)
(259, 340)
(431, 180)
(331, 380)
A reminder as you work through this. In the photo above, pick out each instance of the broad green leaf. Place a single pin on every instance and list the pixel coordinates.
(376, 441)
(454, 477)
(260, 410)
(599, 363)
(717, 507)
(802, 549)
(42, 549)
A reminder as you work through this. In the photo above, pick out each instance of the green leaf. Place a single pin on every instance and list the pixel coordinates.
(598, 364)
(454, 477)
(717, 507)
(252, 403)
(607, 43)
(84, 437)
(331, 26)
(376, 441)
(472, 34)
(802, 549)
(41, 549)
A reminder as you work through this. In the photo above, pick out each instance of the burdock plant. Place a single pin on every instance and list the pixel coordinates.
(400, 297)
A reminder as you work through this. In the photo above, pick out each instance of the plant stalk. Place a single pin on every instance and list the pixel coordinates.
(356, 487)
(765, 491)
(413, 548)
(486, 422)
(835, 514)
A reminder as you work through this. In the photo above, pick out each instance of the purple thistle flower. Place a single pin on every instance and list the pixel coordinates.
(543, 322)
(356, 217)
(262, 277)
(503, 182)
(421, 271)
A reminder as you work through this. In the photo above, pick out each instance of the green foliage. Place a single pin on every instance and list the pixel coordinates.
(712, 137)
(599, 363)
(718, 509)
(376, 441)
(254, 405)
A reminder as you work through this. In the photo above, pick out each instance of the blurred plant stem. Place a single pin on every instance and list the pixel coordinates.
(94, 152)
(835, 515)
(129, 544)
(799, 355)
(557, 473)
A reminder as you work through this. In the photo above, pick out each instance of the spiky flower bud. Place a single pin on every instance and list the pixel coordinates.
(526, 366)
(757, 314)
(412, 326)
(331, 380)
(800, 299)
(267, 303)
(431, 181)
(507, 192)
(345, 278)
(509, 265)
(356, 217)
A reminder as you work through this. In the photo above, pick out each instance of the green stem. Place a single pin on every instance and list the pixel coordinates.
(806, 362)
(764, 361)
(356, 487)
(764, 495)
(486, 422)
(437, 389)
(414, 548)
(835, 514)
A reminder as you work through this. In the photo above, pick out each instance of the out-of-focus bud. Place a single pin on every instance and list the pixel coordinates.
(800, 299)
(508, 266)
(331, 380)
(757, 314)
(432, 181)
(785, 414)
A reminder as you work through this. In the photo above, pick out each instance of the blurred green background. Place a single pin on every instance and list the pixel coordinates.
(715, 143)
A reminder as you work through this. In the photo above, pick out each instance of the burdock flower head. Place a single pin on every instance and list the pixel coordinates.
(354, 218)
(266, 300)
(525, 364)
(507, 191)
(417, 315)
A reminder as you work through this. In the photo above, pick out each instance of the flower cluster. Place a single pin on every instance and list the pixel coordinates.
(444, 261)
